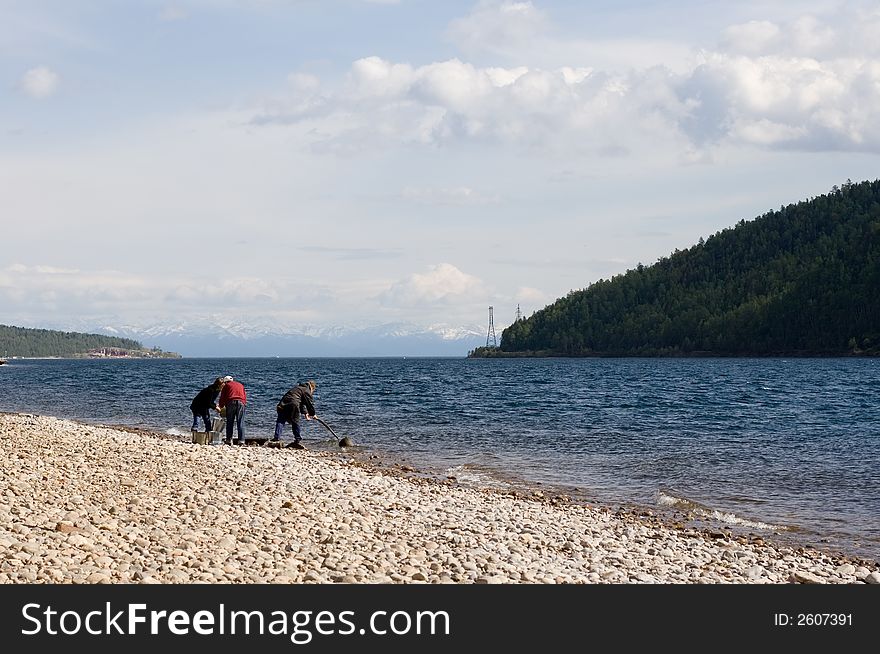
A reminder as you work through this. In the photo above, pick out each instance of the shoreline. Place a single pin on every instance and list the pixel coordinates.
(681, 514)
(98, 504)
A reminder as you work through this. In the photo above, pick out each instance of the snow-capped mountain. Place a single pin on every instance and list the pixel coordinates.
(218, 337)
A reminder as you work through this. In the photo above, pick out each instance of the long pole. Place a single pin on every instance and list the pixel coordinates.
(326, 425)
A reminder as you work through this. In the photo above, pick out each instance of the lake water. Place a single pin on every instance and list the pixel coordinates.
(786, 448)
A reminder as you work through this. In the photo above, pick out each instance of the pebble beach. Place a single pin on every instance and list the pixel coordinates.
(94, 504)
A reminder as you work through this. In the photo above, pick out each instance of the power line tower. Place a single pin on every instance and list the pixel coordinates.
(518, 314)
(490, 335)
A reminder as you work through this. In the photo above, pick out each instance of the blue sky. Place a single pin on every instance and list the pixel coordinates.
(343, 162)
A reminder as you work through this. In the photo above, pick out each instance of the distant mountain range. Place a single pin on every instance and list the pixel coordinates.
(221, 337)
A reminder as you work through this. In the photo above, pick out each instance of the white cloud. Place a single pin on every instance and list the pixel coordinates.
(768, 85)
(845, 33)
(444, 102)
(40, 82)
(40, 288)
(801, 102)
(373, 77)
(443, 283)
(53, 288)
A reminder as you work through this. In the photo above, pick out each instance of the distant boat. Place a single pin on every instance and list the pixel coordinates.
(2, 362)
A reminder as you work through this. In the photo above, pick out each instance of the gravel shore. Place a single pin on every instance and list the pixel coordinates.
(92, 504)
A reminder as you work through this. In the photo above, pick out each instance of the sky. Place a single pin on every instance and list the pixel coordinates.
(346, 162)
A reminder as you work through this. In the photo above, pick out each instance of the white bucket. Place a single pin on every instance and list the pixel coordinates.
(218, 430)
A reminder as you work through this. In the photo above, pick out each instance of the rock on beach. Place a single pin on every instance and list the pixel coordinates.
(92, 504)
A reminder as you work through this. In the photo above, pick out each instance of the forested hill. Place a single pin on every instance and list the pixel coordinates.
(804, 280)
(25, 342)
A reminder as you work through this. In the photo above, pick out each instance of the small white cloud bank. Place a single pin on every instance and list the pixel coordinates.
(28, 291)
(40, 82)
(43, 289)
(441, 284)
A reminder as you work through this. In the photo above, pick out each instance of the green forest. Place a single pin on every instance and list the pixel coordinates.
(25, 342)
(800, 281)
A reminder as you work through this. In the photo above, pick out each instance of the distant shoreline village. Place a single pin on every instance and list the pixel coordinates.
(117, 353)
(28, 343)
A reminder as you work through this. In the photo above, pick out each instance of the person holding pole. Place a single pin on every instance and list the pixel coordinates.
(298, 400)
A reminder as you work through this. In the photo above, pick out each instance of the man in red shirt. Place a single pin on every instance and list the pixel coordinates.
(233, 399)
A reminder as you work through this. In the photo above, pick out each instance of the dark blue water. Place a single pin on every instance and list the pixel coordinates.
(785, 448)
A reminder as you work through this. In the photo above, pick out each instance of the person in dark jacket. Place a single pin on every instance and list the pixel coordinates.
(203, 403)
(234, 399)
(298, 400)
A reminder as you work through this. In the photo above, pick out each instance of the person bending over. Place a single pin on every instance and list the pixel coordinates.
(234, 400)
(203, 403)
(298, 400)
